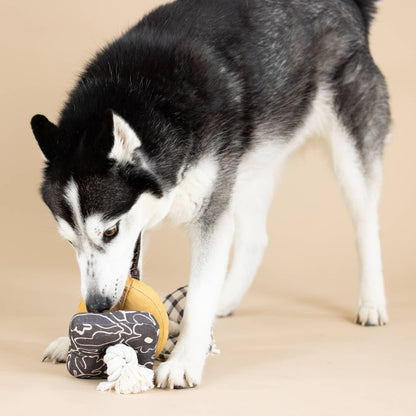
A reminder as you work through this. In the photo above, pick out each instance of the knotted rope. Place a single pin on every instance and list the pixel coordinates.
(125, 374)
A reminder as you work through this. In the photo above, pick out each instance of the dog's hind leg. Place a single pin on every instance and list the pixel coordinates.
(252, 201)
(361, 187)
(253, 194)
(358, 134)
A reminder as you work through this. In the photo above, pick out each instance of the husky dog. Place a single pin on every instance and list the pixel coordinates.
(191, 115)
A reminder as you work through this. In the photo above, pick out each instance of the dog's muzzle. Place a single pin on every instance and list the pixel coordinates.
(98, 303)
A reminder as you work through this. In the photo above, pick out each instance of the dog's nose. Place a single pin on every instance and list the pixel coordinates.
(97, 304)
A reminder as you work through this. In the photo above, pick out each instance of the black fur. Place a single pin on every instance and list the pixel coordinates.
(47, 136)
(368, 10)
(197, 77)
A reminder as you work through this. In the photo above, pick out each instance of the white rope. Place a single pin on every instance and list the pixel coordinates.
(125, 375)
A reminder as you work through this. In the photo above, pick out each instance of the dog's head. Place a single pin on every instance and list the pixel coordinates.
(102, 193)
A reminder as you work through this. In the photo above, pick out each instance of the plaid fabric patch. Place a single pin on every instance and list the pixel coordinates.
(175, 307)
(175, 304)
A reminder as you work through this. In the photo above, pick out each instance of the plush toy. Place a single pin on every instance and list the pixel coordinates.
(138, 296)
(123, 343)
(119, 344)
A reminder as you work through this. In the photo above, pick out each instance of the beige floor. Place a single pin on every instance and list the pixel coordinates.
(291, 348)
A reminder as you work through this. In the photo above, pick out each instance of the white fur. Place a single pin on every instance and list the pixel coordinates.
(95, 226)
(253, 193)
(256, 177)
(106, 272)
(250, 203)
(112, 266)
(66, 231)
(208, 268)
(191, 193)
(125, 141)
(72, 197)
(248, 211)
(57, 350)
(361, 192)
(104, 267)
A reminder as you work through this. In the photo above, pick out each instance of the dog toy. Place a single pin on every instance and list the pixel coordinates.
(122, 344)
(119, 344)
(138, 296)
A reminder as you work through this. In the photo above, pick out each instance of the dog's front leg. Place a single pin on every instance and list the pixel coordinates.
(210, 250)
(57, 350)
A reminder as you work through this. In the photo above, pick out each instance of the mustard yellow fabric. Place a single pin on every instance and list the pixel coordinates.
(138, 296)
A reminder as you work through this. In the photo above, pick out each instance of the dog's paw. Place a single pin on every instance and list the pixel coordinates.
(57, 350)
(225, 312)
(227, 306)
(371, 314)
(178, 373)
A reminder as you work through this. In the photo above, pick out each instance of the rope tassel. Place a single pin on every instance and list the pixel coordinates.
(125, 374)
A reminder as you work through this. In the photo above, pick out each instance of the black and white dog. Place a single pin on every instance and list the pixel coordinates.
(191, 115)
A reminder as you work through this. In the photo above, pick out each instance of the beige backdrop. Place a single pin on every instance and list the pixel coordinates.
(312, 359)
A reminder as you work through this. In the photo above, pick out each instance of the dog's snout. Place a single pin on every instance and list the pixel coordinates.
(98, 304)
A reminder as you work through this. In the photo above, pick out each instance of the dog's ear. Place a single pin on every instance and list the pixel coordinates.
(125, 139)
(46, 134)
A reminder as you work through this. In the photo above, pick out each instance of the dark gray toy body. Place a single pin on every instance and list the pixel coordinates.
(91, 334)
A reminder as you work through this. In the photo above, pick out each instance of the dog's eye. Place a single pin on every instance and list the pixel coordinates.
(111, 232)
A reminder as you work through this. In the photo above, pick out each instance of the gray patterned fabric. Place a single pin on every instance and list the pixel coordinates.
(91, 333)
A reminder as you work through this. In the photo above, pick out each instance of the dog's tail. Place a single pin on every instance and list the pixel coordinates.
(368, 10)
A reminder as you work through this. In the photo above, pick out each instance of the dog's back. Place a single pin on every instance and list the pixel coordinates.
(236, 65)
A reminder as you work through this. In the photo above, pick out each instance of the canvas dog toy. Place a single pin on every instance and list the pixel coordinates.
(119, 344)
(138, 296)
(123, 343)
